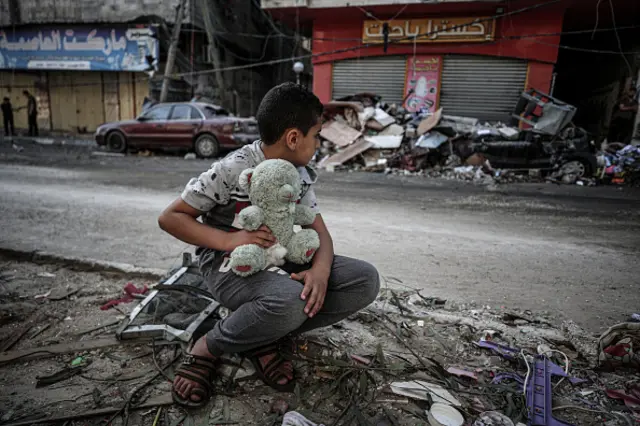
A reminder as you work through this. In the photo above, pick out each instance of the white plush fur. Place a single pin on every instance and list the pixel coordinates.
(274, 189)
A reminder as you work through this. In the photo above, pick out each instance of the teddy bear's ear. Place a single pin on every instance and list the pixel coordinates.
(245, 179)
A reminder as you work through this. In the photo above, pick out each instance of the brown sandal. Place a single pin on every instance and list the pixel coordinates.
(272, 371)
(200, 370)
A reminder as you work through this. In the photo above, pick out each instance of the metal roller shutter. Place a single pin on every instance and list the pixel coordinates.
(483, 87)
(382, 75)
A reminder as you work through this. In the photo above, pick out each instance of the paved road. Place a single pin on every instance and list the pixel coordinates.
(569, 250)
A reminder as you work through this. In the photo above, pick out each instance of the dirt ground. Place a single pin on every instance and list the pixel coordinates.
(343, 372)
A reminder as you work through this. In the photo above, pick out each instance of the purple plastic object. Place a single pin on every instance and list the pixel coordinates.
(507, 352)
(539, 391)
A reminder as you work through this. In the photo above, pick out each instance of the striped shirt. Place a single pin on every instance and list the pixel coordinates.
(218, 195)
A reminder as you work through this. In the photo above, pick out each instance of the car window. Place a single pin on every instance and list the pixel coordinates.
(158, 113)
(211, 112)
(184, 112)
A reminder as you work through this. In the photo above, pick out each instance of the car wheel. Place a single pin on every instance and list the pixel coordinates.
(207, 146)
(577, 167)
(116, 141)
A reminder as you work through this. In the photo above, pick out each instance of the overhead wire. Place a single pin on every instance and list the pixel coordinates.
(613, 21)
(427, 34)
(364, 46)
(595, 27)
(558, 33)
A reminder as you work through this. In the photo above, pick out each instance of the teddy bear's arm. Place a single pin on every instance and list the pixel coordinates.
(304, 215)
(251, 218)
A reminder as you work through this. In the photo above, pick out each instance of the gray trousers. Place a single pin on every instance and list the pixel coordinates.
(267, 306)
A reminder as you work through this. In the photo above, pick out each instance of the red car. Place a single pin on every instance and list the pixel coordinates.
(192, 126)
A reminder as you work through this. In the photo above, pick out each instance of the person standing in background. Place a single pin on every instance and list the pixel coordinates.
(7, 116)
(32, 113)
(621, 128)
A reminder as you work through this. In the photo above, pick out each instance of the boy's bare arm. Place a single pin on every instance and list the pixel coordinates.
(316, 279)
(323, 259)
(180, 220)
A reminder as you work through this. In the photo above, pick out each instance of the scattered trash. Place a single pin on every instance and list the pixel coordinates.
(130, 292)
(17, 147)
(462, 373)
(339, 134)
(493, 418)
(42, 296)
(436, 145)
(46, 275)
(444, 415)
(190, 156)
(279, 406)
(383, 366)
(616, 346)
(293, 418)
(77, 361)
(419, 389)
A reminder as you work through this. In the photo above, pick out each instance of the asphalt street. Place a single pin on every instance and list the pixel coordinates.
(569, 250)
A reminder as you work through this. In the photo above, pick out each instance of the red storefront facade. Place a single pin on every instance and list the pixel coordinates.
(526, 40)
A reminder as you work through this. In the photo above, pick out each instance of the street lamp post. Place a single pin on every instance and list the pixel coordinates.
(298, 67)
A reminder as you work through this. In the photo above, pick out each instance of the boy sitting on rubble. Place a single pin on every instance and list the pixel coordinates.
(271, 305)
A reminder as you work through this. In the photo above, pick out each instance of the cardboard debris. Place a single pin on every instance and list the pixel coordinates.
(382, 118)
(358, 147)
(384, 142)
(334, 105)
(429, 122)
(393, 130)
(431, 140)
(509, 132)
(366, 115)
(340, 134)
(418, 389)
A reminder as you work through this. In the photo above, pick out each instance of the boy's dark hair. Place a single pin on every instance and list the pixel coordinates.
(25, 92)
(5, 99)
(287, 106)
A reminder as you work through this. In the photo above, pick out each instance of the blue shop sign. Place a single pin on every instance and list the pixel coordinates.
(79, 48)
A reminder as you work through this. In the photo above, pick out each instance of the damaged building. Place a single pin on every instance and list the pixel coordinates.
(472, 58)
(87, 64)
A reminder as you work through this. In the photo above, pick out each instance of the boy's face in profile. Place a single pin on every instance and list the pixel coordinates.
(306, 146)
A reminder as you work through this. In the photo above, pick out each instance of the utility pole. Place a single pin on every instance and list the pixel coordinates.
(171, 54)
(217, 63)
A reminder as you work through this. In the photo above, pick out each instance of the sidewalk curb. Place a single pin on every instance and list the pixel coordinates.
(82, 264)
(51, 141)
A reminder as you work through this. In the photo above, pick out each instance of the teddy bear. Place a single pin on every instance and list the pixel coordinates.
(274, 190)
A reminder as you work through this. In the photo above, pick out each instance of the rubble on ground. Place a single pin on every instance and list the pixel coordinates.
(363, 133)
(408, 359)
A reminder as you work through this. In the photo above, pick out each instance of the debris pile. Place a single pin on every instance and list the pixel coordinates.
(361, 132)
(620, 164)
(408, 359)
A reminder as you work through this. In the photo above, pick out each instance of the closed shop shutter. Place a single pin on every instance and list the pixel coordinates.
(482, 87)
(382, 75)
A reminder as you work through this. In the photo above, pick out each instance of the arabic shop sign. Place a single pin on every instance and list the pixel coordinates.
(79, 48)
(477, 29)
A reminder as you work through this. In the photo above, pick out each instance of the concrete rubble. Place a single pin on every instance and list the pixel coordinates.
(408, 359)
(363, 133)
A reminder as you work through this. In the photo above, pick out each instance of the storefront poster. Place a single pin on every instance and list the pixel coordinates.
(422, 85)
(79, 48)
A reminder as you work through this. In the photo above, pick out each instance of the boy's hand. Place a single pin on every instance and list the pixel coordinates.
(315, 289)
(262, 237)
